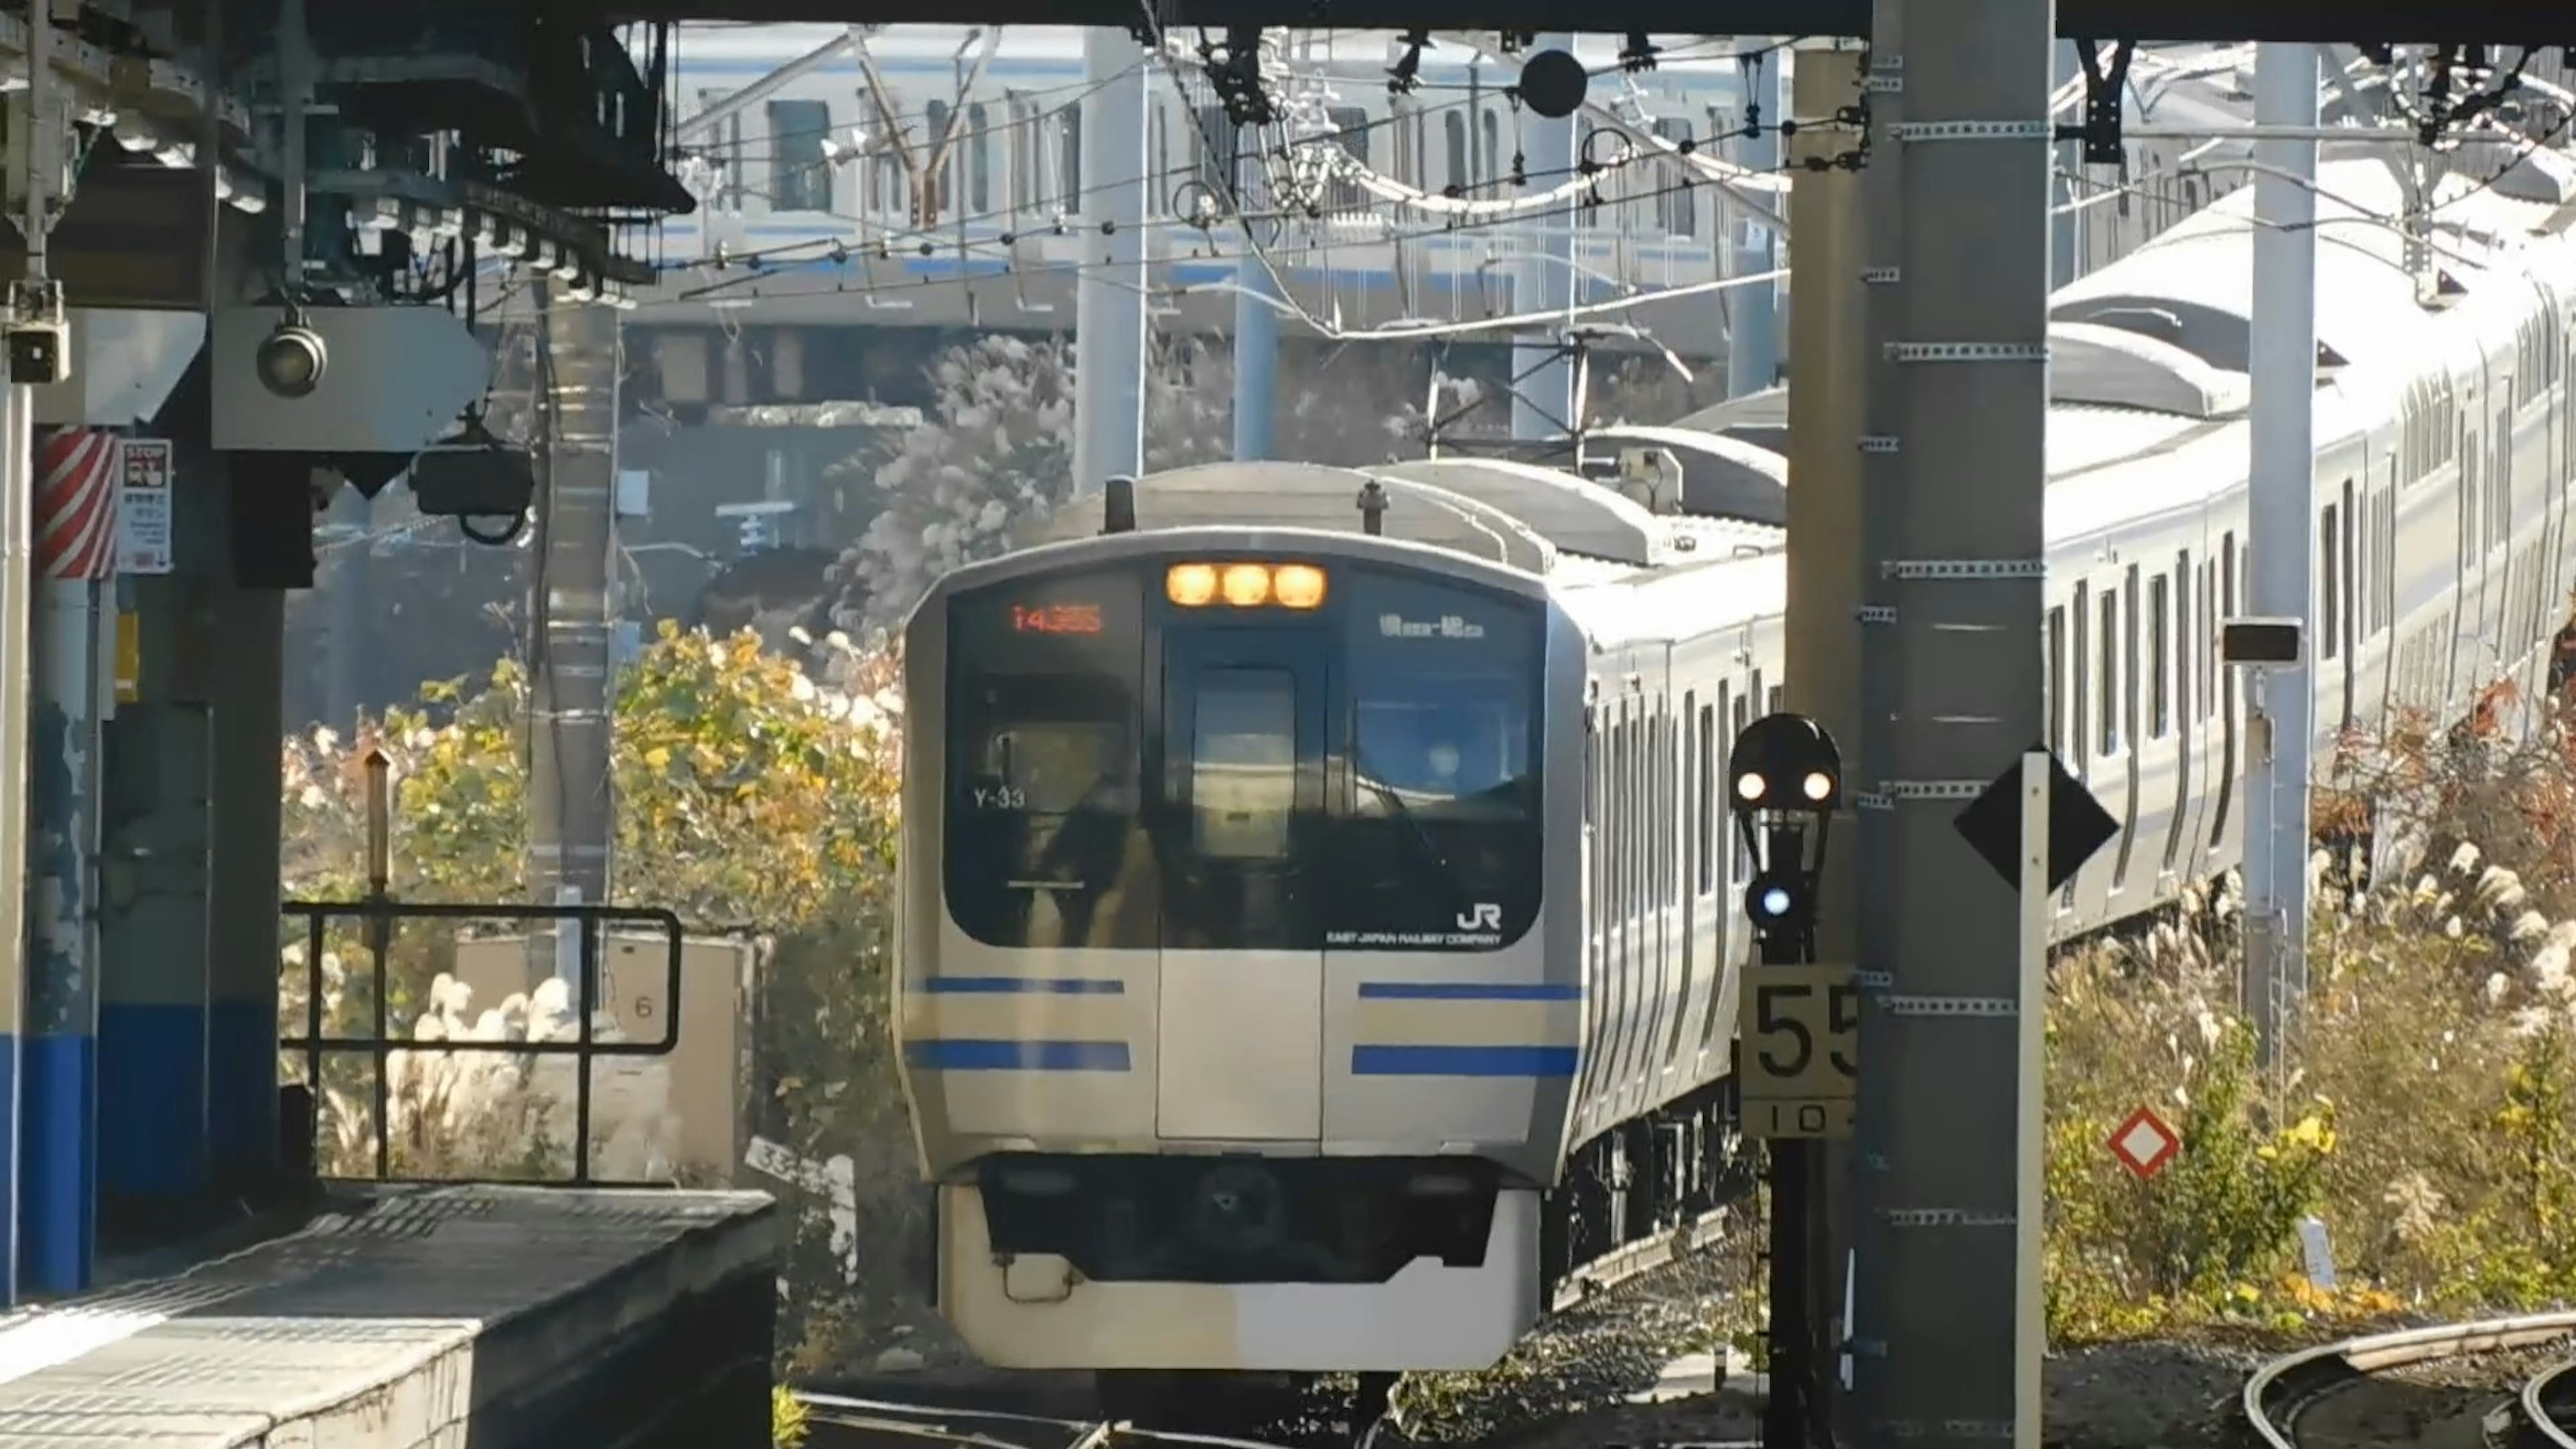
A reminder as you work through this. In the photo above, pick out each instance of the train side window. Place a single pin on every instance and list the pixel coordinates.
(1454, 132)
(2057, 680)
(2109, 701)
(1690, 791)
(2330, 597)
(1708, 794)
(2081, 679)
(799, 177)
(2182, 651)
(1743, 859)
(2159, 705)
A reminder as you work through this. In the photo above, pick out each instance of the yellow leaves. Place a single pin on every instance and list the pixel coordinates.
(658, 758)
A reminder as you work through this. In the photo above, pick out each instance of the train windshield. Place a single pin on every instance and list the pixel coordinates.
(1123, 774)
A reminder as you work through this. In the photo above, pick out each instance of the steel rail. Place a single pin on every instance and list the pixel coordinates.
(2535, 1398)
(945, 1425)
(2279, 1391)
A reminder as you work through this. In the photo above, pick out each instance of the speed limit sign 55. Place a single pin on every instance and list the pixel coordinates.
(1800, 1027)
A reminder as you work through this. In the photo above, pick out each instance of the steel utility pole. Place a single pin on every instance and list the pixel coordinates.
(1828, 340)
(1256, 313)
(1542, 370)
(2281, 503)
(1948, 1348)
(570, 812)
(1109, 296)
(1753, 343)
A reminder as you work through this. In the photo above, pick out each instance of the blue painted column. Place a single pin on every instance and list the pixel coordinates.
(76, 481)
(154, 869)
(242, 946)
(1256, 331)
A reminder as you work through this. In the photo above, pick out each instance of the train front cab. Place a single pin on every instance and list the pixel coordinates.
(1248, 1037)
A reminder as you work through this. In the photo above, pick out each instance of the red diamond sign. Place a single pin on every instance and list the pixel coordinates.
(2144, 1144)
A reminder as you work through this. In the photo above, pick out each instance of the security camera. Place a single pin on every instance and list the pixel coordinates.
(292, 358)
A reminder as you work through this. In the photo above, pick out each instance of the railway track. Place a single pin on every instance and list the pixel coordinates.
(2546, 1407)
(2372, 1391)
(840, 1422)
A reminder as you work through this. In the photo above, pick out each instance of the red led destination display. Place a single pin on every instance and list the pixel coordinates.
(1055, 618)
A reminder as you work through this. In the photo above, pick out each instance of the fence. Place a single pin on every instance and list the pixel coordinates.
(380, 920)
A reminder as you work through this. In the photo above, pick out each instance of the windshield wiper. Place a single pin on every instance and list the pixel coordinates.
(1422, 840)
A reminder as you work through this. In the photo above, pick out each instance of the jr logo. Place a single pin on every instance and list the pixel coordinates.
(1482, 916)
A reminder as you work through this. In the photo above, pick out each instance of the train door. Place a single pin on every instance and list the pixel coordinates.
(1240, 1028)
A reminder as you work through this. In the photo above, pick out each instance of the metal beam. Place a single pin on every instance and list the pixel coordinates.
(2386, 21)
(1945, 1356)
(2281, 502)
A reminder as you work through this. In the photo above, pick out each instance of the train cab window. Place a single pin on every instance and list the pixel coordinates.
(1042, 842)
(2109, 676)
(1243, 763)
(2159, 659)
(1440, 823)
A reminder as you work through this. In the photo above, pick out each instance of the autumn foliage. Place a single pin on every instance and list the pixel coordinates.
(749, 799)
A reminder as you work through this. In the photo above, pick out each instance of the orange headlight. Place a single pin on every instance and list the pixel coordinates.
(1190, 585)
(1246, 585)
(1298, 586)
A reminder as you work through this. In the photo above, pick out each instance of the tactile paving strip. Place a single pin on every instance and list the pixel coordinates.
(371, 1303)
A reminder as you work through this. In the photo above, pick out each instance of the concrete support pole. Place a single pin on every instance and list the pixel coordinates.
(75, 480)
(2280, 513)
(1879, 254)
(249, 730)
(156, 865)
(1109, 297)
(1753, 343)
(1256, 365)
(1256, 327)
(17, 562)
(1952, 1351)
(1543, 375)
(570, 813)
(1828, 342)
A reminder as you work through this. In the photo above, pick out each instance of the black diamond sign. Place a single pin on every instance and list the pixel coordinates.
(2077, 824)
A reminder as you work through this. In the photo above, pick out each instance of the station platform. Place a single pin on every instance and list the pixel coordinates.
(447, 1316)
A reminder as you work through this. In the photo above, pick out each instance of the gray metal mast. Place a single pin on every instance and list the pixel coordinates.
(1109, 296)
(1950, 1355)
(1543, 386)
(1828, 353)
(570, 812)
(2280, 504)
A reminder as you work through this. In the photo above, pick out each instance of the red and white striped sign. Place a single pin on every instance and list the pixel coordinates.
(76, 480)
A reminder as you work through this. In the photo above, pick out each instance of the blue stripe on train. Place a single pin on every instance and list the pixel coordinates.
(1468, 991)
(970, 1055)
(1032, 985)
(1462, 1061)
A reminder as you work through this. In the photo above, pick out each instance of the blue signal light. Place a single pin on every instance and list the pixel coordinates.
(1775, 902)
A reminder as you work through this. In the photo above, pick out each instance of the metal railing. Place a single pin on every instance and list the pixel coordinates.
(381, 915)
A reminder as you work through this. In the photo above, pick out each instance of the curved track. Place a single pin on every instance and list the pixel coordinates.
(2547, 1407)
(2350, 1393)
(844, 1423)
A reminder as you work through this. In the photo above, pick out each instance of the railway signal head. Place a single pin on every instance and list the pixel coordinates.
(1777, 898)
(1787, 762)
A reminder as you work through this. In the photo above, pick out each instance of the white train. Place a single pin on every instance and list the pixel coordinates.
(1315, 945)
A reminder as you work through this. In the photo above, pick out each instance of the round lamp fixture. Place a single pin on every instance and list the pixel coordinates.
(291, 359)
